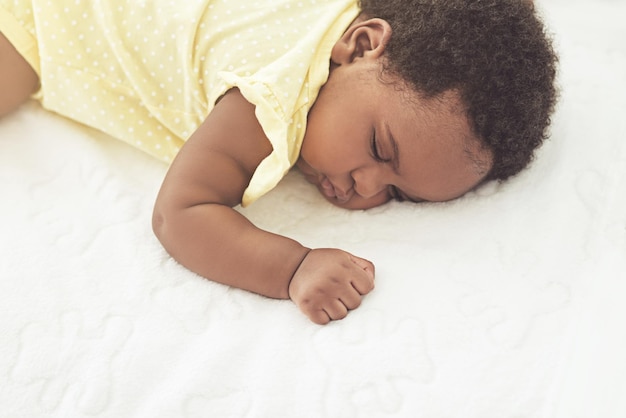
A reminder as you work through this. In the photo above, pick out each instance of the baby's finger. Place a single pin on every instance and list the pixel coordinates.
(351, 299)
(363, 282)
(320, 317)
(364, 264)
(363, 278)
(336, 310)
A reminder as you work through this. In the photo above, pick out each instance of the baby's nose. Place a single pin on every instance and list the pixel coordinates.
(372, 180)
(367, 191)
(367, 187)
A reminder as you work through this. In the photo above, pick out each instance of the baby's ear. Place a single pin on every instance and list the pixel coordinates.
(363, 39)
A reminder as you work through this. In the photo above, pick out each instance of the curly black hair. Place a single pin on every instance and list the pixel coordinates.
(495, 53)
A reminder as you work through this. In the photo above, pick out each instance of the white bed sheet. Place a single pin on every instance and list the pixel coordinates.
(507, 303)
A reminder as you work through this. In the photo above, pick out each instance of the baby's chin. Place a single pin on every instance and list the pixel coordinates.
(356, 202)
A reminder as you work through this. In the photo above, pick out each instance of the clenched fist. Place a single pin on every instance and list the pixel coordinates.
(329, 283)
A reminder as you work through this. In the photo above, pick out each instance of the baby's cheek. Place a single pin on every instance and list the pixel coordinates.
(309, 174)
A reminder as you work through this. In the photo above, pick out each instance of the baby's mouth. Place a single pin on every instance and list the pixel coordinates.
(325, 186)
(331, 192)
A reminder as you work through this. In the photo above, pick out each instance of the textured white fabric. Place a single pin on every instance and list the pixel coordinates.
(507, 303)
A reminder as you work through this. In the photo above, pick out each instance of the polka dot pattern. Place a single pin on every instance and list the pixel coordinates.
(149, 71)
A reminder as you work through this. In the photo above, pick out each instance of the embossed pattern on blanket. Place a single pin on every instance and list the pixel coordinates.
(505, 303)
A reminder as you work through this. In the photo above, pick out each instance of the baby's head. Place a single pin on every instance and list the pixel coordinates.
(442, 94)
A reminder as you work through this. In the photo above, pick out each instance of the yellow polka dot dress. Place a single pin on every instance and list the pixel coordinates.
(149, 71)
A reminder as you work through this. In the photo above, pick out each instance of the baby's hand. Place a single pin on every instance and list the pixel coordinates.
(329, 283)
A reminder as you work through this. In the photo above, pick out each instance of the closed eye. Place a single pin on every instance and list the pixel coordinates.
(375, 151)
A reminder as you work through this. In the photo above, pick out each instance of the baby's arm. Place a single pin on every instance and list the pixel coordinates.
(195, 222)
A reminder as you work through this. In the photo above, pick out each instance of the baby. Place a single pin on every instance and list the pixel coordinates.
(412, 100)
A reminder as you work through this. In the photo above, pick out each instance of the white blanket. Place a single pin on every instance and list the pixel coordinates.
(507, 303)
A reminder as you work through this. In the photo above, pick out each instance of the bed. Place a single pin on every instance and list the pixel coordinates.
(506, 303)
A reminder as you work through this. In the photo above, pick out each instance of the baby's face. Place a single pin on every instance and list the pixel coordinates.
(366, 143)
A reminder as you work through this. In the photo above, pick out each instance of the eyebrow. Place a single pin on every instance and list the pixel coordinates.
(395, 150)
